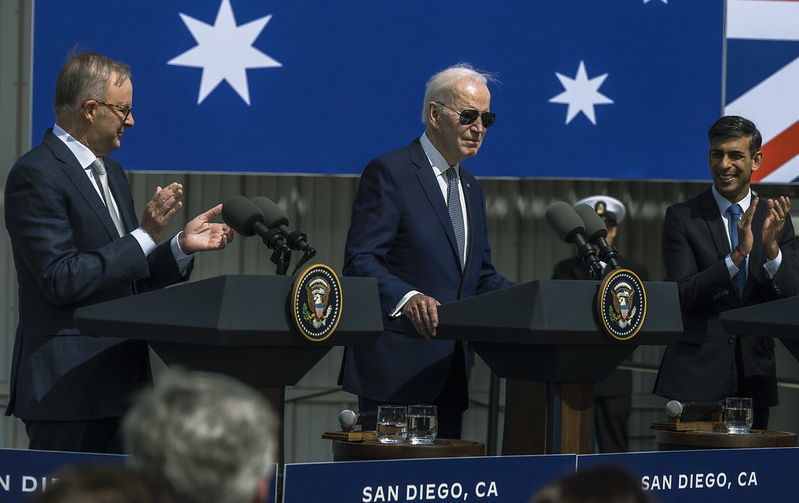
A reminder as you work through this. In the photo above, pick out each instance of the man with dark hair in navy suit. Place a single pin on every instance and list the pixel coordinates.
(76, 241)
(726, 248)
(419, 227)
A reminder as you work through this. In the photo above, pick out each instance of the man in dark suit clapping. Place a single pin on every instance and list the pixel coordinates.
(76, 241)
(726, 248)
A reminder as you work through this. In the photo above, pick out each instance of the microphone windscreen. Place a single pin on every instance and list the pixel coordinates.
(241, 214)
(347, 419)
(273, 215)
(564, 221)
(595, 227)
(674, 408)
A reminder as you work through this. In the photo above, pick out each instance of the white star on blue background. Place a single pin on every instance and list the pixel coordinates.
(581, 94)
(224, 51)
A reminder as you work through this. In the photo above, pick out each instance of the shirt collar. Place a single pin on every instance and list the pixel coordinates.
(723, 203)
(81, 152)
(437, 161)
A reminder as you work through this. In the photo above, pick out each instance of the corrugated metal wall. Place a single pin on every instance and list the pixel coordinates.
(523, 247)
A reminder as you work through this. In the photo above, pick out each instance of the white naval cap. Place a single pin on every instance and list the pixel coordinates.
(609, 208)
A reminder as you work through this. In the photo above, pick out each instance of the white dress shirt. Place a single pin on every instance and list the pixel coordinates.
(770, 266)
(85, 158)
(439, 166)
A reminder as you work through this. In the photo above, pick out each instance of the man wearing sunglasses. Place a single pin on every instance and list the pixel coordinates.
(77, 241)
(419, 227)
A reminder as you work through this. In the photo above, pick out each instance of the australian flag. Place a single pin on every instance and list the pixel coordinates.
(610, 89)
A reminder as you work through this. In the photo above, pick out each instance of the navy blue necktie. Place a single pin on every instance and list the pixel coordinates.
(735, 212)
(455, 211)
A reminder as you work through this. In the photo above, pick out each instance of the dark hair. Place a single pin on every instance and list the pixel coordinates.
(85, 76)
(105, 484)
(734, 126)
(598, 484)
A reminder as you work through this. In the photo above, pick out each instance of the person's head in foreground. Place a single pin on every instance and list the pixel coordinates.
(599, 484)
(104, 484)
(211, 437)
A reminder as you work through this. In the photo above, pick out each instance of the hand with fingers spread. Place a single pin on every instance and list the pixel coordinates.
(778, 212)
(423, 313)
(161, 208)
(201, 234)
(745, 238)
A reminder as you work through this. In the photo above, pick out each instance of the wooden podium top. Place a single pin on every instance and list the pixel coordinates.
(675, 440)
(372, 449)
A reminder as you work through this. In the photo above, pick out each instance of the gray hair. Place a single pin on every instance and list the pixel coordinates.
(211, 437)
(85, 76)
(439, 87)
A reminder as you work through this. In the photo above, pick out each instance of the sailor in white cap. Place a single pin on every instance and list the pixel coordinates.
(613, 395)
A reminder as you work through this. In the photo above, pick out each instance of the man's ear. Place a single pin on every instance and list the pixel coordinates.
(433, 113)
(757, 160)
(89, 110)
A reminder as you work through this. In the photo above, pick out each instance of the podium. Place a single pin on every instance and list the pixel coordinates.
(547, 331)
(237, 325)
(776, 318)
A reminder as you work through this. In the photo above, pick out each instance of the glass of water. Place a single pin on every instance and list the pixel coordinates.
(738, 414)
(422, 424)
(392, 424)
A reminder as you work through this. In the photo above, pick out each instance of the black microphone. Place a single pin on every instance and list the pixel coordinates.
(597, 232)
(247, 219)
(568, 226)
(275, 218)
(349, 418)
(676, 408)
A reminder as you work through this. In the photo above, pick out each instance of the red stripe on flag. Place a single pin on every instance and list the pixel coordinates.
(781, 149)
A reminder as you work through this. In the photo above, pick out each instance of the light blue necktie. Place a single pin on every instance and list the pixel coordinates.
(455, 211)
(735, 212)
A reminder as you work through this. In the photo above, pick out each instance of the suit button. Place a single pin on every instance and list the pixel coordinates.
(731, 339)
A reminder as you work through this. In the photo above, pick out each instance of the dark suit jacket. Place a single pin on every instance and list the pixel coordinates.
(68, 254)
(700, 364)
(619, 383)
(402, 235)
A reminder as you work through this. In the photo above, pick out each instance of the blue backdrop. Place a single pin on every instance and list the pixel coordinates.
(618, 89)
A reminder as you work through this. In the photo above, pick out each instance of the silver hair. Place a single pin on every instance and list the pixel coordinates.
(211, 437)
(85, 77)
(439, 87)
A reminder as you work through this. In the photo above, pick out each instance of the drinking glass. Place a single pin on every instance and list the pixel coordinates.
(738, 414)
(422, 424)
(392, 424)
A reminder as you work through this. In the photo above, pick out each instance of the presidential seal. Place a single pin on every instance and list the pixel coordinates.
(316, 302)
(621, 304)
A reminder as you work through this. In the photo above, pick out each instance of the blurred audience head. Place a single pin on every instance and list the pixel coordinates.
(104, 484)
(599, 484)
(211, 437)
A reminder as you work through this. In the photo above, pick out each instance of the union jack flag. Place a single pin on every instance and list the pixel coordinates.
(762, 81)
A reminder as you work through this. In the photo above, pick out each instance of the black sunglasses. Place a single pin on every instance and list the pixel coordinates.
(470, 115)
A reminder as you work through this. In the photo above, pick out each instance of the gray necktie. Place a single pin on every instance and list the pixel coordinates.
(455, 211)
(101, 177)
(735, 212)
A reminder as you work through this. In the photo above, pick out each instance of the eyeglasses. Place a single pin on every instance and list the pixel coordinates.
(125, 109)
(470, 115)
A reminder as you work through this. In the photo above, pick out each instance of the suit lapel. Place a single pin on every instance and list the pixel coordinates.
(117, 180)
(756, 256)
(77, 175)
(715, 225)
(431, 188)
(466, 183)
